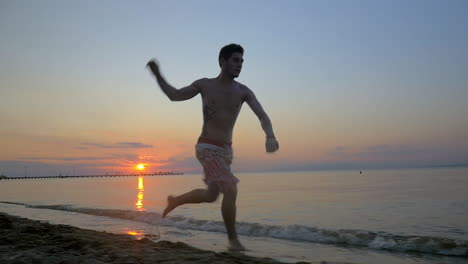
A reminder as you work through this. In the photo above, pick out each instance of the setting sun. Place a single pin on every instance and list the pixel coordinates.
(140, 166)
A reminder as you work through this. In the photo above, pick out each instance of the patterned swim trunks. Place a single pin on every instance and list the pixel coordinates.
(216, 162)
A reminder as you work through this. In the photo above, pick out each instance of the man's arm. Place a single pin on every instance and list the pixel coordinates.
(171, 92)
(271, 144)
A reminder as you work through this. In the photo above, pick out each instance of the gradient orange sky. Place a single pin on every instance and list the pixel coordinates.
(382, 84)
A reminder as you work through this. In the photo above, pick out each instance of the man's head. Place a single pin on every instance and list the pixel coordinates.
(231, 58)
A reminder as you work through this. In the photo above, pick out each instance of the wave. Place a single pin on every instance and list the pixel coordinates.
(344, 237)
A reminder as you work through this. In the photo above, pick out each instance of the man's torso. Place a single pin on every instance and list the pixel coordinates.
(221, 106)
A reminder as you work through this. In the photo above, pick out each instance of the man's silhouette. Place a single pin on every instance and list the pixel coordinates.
(222, 99)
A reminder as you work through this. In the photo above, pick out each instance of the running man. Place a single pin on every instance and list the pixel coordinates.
(222, 99)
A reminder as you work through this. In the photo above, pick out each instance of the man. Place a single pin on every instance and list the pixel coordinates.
(222, 99)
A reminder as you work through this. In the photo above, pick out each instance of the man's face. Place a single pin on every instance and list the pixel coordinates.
(233, 65)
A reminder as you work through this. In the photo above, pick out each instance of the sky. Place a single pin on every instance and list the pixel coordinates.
(347, 84)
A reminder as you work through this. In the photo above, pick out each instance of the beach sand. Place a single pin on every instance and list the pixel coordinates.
(30, 241)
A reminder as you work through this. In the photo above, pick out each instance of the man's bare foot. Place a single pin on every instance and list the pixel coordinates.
(170, 205)
(235, 245)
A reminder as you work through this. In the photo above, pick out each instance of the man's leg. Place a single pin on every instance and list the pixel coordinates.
(195, 196)
(228, 209)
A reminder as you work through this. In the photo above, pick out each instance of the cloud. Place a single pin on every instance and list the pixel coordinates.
(66, 158)
(340, 148)
(378, 152)
(188, 164)
(119, 145)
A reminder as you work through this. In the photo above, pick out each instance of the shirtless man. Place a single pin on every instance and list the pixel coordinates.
(222, 99)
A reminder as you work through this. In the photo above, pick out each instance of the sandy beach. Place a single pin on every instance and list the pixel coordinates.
(29, 241)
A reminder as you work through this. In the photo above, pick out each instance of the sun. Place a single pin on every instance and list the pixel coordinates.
(140, 166)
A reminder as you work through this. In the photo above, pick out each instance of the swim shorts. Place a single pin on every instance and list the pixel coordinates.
(216, 162)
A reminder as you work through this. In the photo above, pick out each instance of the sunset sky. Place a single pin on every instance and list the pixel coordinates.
(347, 84)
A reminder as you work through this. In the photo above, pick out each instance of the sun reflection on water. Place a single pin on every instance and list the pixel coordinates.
(139, 203)
(153, 231)
(134, 233)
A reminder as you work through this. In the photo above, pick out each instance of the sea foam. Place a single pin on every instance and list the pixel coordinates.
(344, 237)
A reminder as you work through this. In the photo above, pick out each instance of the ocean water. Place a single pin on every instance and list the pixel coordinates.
(379, 216)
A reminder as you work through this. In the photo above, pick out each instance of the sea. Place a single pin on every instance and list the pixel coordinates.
(393, 216)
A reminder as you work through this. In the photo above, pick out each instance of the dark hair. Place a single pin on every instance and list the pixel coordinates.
(227, 51)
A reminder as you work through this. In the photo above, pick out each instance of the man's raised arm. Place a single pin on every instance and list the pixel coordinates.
(171, 92)
(271, 144)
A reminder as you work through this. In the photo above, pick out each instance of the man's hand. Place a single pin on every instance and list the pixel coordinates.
(271, 144)
(153, 65)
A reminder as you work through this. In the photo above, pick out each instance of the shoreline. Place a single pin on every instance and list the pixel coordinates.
(24, 240)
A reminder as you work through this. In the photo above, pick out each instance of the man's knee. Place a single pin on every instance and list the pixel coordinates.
(231, 192)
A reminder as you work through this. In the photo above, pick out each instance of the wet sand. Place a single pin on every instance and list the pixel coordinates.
(29, 241)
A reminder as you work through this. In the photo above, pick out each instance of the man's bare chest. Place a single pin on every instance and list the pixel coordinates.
(223, 99)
